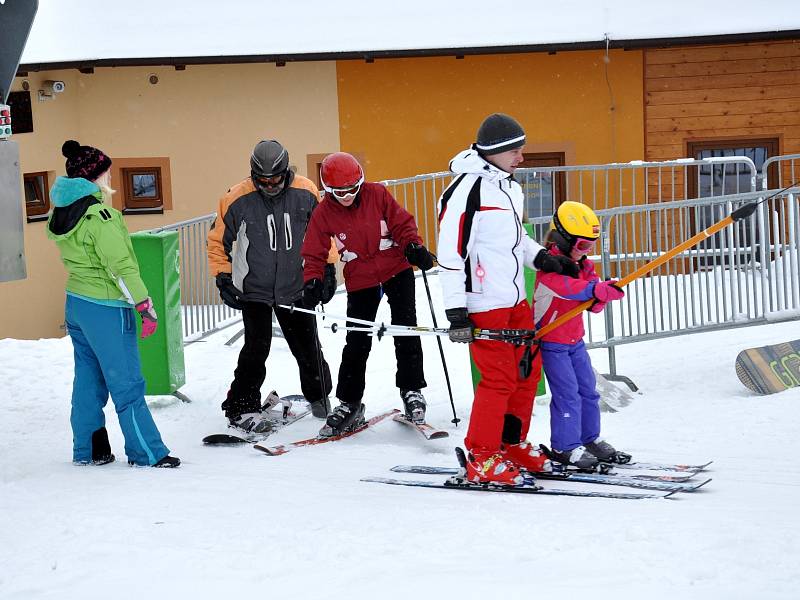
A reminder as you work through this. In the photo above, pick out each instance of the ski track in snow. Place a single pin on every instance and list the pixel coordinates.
(234, 521)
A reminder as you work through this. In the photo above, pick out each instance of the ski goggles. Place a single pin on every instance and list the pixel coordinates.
(346, 192)
(273, 180)
(584, 245)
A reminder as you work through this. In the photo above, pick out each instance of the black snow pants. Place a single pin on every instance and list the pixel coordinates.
(363, 304)
(300, 331)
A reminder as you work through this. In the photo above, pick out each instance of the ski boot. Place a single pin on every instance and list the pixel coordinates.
(344, 418)
(527, 457)
(252, 422)
(489, 466)
(605, 452)
(415, 405)
(579, 457)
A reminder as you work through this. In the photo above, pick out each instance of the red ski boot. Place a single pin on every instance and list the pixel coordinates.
(489, 466)
(527, 457)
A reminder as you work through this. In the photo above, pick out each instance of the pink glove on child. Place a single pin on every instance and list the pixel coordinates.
(149, 317)
(606, 291)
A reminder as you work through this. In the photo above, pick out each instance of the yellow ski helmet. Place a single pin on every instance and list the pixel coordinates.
(573, 221)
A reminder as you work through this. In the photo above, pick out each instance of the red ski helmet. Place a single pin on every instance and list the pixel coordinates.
(341, 174)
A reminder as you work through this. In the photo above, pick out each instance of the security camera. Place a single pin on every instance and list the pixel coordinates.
(55, 86)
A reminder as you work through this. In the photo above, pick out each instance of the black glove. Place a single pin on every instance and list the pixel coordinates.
(228, 292)
(556, 263)
(460, 325)
(312, 293)
(418, 255)
(328, 284)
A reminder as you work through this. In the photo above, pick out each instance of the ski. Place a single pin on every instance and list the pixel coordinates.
(654, 466)
(622, 460)
(284, 448)
(279, 418)
(523, 489)
(429, 432)
(633, 482)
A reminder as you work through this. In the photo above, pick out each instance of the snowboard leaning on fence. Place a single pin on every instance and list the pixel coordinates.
(770, 369)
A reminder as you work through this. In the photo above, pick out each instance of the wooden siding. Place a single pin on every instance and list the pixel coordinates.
(711, 92)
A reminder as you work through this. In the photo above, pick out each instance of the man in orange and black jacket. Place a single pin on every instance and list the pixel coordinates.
(254, 254)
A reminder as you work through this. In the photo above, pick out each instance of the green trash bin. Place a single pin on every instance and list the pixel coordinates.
(161, 353)
(530, 282)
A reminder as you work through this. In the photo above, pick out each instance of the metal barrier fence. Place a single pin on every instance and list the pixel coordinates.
(202, 310)
(597, 186)
(737, 277)
(747, 274)
(780, 171)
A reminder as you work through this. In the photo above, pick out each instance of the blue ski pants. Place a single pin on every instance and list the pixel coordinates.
(107, 361)
(575, 404)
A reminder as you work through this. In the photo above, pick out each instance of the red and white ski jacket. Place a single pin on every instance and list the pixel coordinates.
(482, 246)
(371, 237)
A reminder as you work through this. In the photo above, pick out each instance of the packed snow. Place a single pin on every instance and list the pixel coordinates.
(232, 522)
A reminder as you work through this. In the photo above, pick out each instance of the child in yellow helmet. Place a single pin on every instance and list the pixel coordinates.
(574, 408)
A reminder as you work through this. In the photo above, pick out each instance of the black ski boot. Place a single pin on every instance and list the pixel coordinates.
(320, 408)
(605, 452)
(579, 457)
(344, 418)
(415, 405)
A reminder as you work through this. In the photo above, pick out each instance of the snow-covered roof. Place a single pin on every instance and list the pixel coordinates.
(141, 31)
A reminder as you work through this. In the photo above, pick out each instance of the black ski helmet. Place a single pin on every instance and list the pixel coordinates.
(270, 160)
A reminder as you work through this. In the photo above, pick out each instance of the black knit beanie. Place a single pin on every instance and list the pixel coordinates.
(84, 161)
(499, 133)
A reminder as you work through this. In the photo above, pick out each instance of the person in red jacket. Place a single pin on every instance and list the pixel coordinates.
(378, 242)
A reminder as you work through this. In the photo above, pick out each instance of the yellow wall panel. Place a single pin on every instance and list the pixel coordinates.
(410, 116)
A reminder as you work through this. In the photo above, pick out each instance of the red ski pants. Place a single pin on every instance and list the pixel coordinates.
(501, 390)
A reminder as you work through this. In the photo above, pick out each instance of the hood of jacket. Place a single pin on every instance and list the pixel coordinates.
(71, 198)
(469, 161)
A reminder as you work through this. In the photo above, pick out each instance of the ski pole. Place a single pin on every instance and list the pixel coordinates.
(441, 350)
(743, 212)
(520, 337)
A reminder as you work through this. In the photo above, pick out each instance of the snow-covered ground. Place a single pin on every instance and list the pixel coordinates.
(233, 521)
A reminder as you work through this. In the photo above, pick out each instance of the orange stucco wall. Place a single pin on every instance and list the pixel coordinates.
(410, 116)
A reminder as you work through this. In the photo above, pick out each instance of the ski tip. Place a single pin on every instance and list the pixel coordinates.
(224, 439)
(701, 484)
(438, 435)
(270, 451)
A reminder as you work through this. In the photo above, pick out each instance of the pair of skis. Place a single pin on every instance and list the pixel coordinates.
(427, 431)
(668, 486)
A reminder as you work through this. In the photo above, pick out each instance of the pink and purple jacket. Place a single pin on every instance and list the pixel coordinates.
(556, 294)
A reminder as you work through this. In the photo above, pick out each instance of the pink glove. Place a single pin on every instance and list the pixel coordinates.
(597, 307)
(606, 291)
(149, 317)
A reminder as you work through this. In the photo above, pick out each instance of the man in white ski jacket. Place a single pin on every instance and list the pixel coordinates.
(482, 252)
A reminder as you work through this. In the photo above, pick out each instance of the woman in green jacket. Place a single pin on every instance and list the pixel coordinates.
(103, 289)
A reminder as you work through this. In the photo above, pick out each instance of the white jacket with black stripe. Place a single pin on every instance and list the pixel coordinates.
(482, 245)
